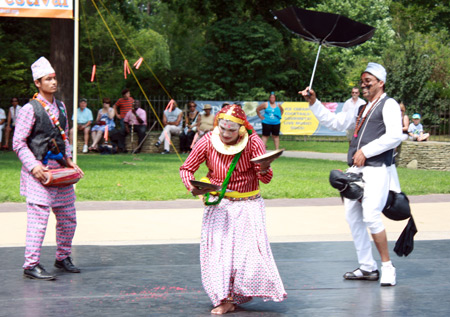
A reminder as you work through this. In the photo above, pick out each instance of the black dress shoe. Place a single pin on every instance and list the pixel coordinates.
(39, 273)
(359, 274)
(67, 265)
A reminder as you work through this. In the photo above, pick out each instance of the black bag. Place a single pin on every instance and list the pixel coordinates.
(350, 185)
(107, 149)
(397, 208)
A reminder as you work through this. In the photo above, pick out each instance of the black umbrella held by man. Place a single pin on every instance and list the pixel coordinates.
(324, 29)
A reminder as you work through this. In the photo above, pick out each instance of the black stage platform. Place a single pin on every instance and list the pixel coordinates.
(164, 280)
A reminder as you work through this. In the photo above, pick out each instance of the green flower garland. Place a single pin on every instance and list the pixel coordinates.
(227, 179)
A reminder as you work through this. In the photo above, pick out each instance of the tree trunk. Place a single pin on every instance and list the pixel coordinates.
(61, 57)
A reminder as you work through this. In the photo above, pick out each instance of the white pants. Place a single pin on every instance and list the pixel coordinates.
(367, 214)
(167, 134)
(1, 133)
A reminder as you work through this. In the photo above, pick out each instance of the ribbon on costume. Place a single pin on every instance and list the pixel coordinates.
(51, 156)
(225, 182)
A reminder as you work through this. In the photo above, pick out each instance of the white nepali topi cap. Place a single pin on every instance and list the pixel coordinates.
(377, 70)
(41, 68)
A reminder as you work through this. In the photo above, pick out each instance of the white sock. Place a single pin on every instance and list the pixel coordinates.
(387, 263)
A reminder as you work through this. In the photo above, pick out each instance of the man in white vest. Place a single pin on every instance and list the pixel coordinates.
(378, 130)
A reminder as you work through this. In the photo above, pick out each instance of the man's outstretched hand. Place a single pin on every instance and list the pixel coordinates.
(309, 95)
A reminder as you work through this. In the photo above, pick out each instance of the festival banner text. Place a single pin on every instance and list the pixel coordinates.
(58, 9)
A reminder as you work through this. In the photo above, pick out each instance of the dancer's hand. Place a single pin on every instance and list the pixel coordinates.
(70, 163)
(359, 158)
(39, 173)
(195, 191)
(264, 166)
(309, 95)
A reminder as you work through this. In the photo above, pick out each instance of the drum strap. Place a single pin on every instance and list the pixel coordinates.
(52, 117)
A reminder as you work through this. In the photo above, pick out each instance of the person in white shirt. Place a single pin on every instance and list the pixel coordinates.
(2, 123)
(352, 104)
(415, 130)
(11, 121)
(378, 130)
(173, 122)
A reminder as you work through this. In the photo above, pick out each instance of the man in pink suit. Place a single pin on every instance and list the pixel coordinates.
(42, 119)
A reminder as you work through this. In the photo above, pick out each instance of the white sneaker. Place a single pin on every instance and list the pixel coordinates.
(85, 148)
(388, 276)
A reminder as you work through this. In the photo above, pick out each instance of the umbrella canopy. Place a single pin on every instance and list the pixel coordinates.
(324, 28)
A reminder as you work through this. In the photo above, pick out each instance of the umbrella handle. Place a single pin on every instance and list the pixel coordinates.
(314, 69)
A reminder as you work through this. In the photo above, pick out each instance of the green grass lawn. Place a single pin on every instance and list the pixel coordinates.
(156, 177)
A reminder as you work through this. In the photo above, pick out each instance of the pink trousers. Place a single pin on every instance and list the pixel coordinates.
(37, 219)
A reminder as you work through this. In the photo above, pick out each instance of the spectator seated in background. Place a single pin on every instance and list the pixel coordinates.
(415, 130)
(205, 121)
(187, 136)
(105, 118)
(84, 121)
(2, 123)
(173, 122)
(11, 121)
(122, 106)
(405, 118)
(136, 121)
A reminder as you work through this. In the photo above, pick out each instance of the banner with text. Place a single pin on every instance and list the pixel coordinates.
(297, 118)
(58, 9)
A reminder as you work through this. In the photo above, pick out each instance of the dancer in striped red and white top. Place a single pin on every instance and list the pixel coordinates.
(235, 254)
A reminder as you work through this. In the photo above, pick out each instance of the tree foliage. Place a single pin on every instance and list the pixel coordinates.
(418, 63)
(22, 42)
(220, 49)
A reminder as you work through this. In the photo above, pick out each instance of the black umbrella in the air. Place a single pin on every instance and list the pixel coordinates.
(324, 28)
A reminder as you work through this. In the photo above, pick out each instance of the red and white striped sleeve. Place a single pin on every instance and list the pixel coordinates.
(258, 149)
(193, 161)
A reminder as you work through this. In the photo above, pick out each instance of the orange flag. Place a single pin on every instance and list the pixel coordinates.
(94, 68)
(138, 63)
(126, 68)
(106, 133)
(170, 105)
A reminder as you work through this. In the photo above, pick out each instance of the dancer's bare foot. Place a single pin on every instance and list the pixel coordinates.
(223, 309)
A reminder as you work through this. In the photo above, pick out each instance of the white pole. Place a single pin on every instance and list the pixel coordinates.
(75, 79)
(314, 69)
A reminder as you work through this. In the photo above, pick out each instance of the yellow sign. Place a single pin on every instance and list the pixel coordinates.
(298, 119)
(58, 9)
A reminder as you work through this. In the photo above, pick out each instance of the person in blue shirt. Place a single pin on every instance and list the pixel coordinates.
(271, 120)
(84, 120)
